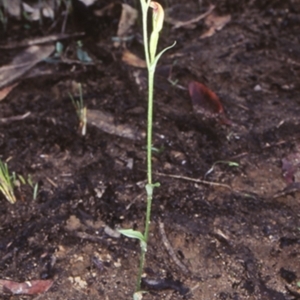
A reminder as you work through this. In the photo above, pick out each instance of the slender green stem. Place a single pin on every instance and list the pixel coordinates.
(141, 268)
(145, 7)
(150, 125)
(149, 149)
(143, 250)
(151, 61)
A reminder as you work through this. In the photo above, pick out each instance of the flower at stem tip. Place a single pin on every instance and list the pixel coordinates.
(157, 25)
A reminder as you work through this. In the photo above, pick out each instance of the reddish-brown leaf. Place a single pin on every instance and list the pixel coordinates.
(5, 91)
(28, 288)
(206, 102)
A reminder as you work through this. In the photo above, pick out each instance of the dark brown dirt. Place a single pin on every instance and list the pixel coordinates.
(232, 243)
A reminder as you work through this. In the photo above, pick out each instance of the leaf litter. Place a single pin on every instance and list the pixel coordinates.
(23, 62)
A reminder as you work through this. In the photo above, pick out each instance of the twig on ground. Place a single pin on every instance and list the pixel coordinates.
(51, 182)
(195, 287)
(42, 40)
(15, 118)
(170, 249)
(194, 180)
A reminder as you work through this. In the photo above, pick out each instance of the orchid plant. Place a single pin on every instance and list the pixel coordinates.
(150, 48)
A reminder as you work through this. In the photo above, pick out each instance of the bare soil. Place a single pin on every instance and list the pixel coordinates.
(236, 240)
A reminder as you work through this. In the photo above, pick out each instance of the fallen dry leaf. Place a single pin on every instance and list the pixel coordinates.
(13, 8)
(34, 12)
(24, 62)
(131, 59)
(127, 20)
(190, 24)
(206, 102)
(33, 287)
(215, 23)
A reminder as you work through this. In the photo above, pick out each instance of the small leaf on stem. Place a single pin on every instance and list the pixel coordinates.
(134, 234)
(150, 187)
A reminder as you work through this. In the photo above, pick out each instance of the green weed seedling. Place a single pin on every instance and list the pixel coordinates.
(7, 183)
(150, 48)
(34, 186)
(80, 110)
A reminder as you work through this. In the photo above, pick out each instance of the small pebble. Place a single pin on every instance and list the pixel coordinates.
(257, 88)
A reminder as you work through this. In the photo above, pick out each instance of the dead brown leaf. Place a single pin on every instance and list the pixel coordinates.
(215, 23)
(33, 287)
(190, 24)
(24, 62)
(13, 8)
(131, 59)
(127, 20)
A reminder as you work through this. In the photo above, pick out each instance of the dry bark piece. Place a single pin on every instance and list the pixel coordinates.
(106, 122)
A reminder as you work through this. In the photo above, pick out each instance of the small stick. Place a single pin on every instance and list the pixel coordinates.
(15, 118)
(51, 182)
(42, 40)
(194, 180)
(170, 249)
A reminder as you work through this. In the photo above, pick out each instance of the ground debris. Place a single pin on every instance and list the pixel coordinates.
(107, 123)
